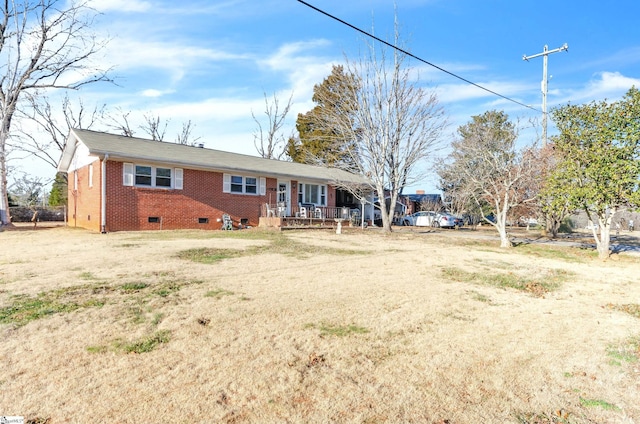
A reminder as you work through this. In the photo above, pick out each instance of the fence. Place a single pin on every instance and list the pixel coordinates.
(25, 214)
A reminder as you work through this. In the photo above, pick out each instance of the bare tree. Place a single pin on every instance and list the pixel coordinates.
(185, 137)
(41, 41)
(485, 166)
(430, 204)
(119, 121)
(154, 127)
(269, 140)
(393, 130)
(27, 191)
(47, 141)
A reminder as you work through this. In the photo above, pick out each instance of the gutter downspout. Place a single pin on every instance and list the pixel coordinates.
(103, 195)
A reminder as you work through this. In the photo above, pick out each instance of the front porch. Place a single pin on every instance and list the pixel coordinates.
(308, 216)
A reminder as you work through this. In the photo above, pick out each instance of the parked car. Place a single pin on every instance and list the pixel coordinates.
(446, 220)
(420, 219)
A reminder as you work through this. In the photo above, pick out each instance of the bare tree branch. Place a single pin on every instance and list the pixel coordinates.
(48, 139)
(270, 143)
(485, 170)
(185, 137)
(41, 41)
(120, 122)
(154, 127)
(394, 128)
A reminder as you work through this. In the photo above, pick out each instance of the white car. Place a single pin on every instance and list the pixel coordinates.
(445, 220)
(420, 219)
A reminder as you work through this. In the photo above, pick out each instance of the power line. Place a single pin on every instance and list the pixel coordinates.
(416, 57)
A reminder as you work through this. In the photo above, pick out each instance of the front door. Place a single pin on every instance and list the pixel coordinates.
(284, 199)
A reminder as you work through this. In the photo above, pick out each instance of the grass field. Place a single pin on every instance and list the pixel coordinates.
(313, 327)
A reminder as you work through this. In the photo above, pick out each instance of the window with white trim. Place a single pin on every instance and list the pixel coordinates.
(151, 176)
(312, 193)
(243, 184)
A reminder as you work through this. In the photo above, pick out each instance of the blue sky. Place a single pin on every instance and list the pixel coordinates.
(212, 61)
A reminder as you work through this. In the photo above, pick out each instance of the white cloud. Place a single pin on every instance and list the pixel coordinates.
(288, 56)
(121, 5)
(128, 53)
(610, 84)
(302, 69)
(151, 92)
(606, 85)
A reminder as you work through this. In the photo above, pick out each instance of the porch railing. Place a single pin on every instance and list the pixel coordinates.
(311, 212)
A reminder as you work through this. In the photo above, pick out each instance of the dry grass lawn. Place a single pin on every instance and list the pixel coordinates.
(313, 327)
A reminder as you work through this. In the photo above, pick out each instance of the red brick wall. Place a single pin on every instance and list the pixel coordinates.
(129, 208)
(84, 204)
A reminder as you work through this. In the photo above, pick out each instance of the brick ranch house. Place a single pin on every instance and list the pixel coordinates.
(119, 183)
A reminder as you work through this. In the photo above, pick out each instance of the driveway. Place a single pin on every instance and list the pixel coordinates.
(626, 242)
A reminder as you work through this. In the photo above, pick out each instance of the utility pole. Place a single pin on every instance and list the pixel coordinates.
(545, 82)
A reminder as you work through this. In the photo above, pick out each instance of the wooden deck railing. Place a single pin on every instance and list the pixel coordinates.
(310, 211)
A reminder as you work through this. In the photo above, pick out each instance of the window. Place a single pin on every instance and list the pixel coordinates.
(251, 185)
(237, 184)
(163, 177)
(152, 176)
(312, 193)
(143, 175)
(241, 184)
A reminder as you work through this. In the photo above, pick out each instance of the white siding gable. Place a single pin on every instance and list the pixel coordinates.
(81, 158)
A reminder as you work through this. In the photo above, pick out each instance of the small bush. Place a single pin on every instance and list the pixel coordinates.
(567, 226)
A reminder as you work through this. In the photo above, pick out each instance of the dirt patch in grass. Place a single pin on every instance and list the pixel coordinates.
(310, 326)
(632, 309)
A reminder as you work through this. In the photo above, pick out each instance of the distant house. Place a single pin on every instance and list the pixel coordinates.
(420, 201)
(119, 183)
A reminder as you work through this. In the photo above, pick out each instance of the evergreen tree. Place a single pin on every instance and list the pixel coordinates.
(58, 195)
(12, 202)
(319, 140)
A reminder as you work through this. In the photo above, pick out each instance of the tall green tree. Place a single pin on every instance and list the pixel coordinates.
(486, 168)
(599, 144)
(319, 139)
(58, 195)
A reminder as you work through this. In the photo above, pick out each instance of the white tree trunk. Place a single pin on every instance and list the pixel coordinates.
(5, 218)
(603, 239)
(501, 226)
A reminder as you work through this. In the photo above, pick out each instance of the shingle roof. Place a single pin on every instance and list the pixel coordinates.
(137, 149)
(435, 198)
